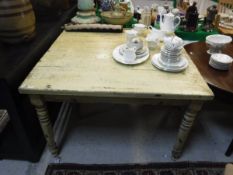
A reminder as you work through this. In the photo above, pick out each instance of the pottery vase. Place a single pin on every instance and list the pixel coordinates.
(86, 4)
(17, 21)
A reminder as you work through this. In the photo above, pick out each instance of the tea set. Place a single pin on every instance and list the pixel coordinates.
(135, 51)
(170, 57)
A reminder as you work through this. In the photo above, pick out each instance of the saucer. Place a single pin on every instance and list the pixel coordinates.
(217, 66)
(178, 67)
(119, 58)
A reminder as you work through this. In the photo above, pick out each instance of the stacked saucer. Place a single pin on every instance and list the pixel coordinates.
(220, 61)
(170, 57)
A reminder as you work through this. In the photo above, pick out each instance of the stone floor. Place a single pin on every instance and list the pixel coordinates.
(108, 134)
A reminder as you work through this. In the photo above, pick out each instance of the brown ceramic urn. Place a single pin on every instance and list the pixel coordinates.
(17, 21)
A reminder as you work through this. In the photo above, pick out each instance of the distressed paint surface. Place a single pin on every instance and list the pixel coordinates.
(81, 64)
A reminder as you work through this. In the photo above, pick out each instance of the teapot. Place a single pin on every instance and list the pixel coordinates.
(169, 22)
(86, 4)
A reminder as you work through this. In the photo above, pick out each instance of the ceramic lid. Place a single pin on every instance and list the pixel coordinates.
(173, 42)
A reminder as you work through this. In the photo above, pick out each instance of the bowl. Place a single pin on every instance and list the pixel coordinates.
(218, 39)
(110, 18)
(217, 42)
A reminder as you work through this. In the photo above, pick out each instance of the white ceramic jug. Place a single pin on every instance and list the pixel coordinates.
(169, 22)
(86, 4)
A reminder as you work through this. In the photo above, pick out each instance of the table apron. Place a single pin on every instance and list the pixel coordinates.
(116, 100)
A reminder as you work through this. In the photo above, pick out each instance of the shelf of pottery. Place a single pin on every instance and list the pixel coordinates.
(226, 19)
(112, 15)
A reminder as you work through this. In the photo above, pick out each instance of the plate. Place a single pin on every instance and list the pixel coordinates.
(182, 65)
(217, 66)
(119, 58)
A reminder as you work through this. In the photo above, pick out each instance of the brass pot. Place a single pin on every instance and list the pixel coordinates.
(17, 21)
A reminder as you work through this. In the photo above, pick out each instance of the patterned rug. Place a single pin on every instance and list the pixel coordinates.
(179, 168)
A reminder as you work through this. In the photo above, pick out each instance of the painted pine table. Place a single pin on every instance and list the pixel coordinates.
(79, 67)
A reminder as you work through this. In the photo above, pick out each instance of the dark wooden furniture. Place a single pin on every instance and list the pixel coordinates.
(22, 138)
(221, 82)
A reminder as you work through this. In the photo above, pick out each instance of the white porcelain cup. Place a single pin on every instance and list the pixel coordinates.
(151, 43)
(152, 40)
(130, 34)
(129, 54)
(136, 43)
(140, 28)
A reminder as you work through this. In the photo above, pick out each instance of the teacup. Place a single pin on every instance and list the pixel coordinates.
(130, 34)
(140, 28)
(136, 43)
(129, 54)
(152, 40)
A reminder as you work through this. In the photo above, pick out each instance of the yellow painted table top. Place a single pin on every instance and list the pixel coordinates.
(81, 64)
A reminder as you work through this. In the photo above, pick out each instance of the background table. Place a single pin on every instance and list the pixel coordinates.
(220, 80)
(79, 67)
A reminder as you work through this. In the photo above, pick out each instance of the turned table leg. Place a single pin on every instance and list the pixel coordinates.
(229, 149)
(42, 114)
(185, 127)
